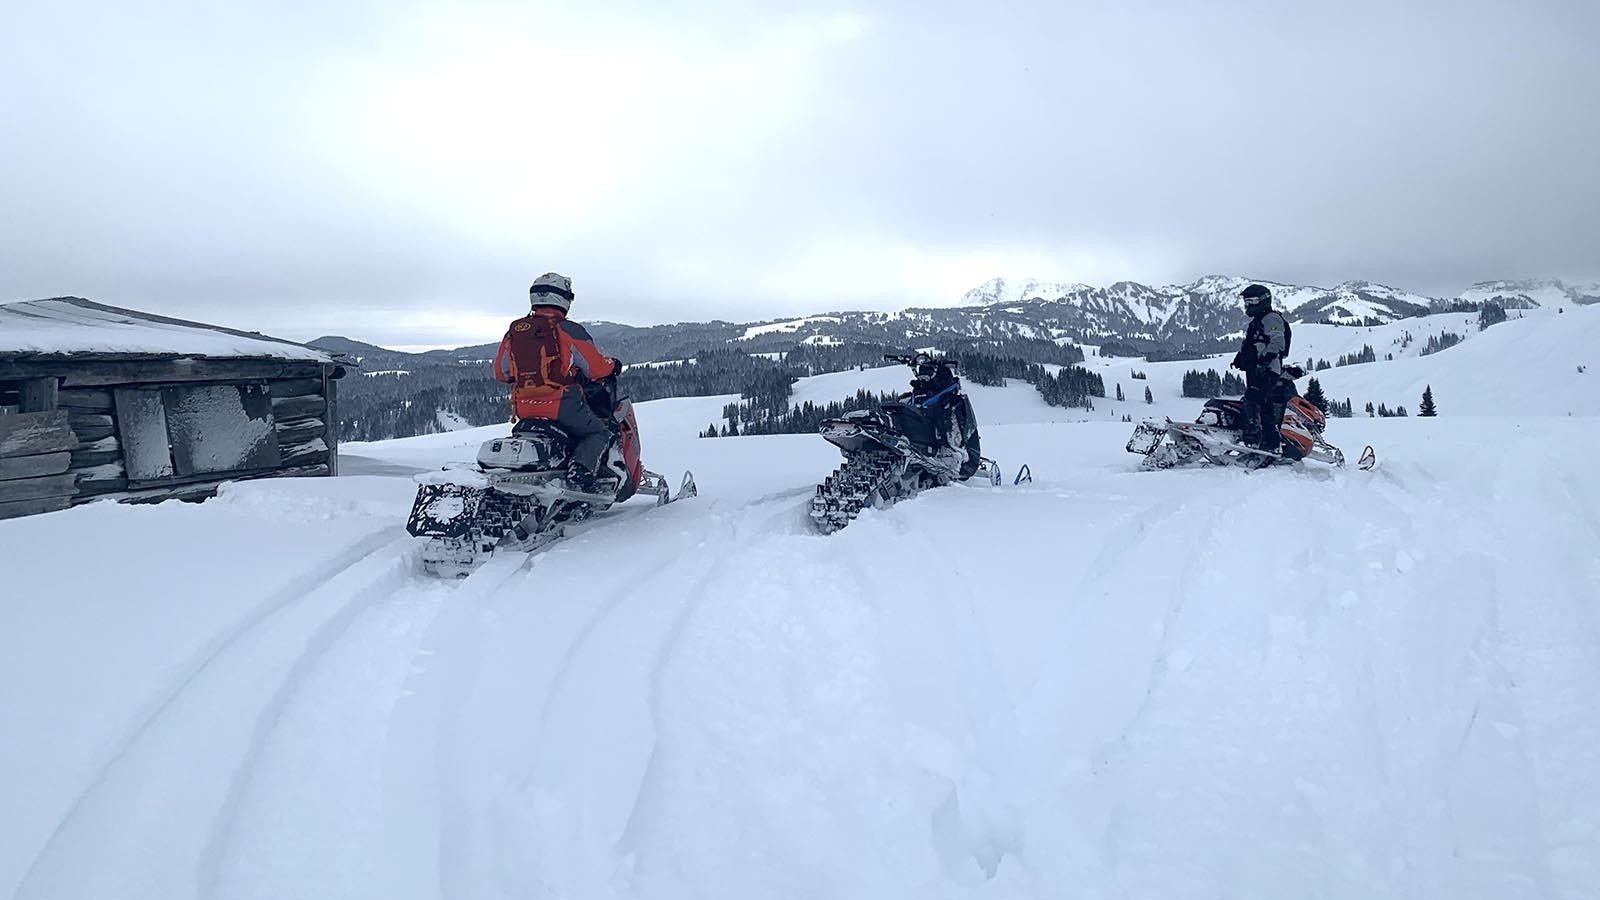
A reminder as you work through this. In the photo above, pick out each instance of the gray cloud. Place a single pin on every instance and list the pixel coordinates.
(400, 173)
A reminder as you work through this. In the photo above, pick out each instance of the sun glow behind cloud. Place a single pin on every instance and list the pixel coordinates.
(536, 130)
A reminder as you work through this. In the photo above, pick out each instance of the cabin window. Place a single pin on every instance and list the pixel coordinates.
(10, 398)
(182, 431)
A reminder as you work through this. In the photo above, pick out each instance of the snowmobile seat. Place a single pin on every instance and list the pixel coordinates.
(540, 426)
(1222, 413)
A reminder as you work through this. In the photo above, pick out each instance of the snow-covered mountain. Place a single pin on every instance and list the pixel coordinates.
(1172, 309)
(1532, 292)
(1012, 290)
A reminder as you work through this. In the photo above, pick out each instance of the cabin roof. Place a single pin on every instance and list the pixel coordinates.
(75, 328)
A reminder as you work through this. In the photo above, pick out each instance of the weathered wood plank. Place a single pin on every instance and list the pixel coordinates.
(199, 478)
(83, 459)
(88, 400)
(87, 419)
(91, 427)
(39, 394)
(91, 433)
(17, 508)
(101, 486)
(296, 387)
(13, 467)
(142, 428)
(105, 373)
(298, 431)
(298, 408)
(38, 488)
(26, 434)
(195, 490)
(330, 390)
(307, 456)
(101, 472)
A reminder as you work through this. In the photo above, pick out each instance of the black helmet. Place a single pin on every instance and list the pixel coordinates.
(1256, 296)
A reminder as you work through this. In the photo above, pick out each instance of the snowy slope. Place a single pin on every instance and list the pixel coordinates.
(1058, 689)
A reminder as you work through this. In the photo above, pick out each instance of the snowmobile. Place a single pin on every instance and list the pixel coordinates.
(900, 449)
(518, 497)
(1216, 437)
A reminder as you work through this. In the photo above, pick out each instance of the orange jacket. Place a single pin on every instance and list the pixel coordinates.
(542, 355)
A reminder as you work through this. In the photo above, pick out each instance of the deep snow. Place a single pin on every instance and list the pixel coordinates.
(1108, 683)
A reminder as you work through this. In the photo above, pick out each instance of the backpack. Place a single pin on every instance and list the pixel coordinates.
(537, 359)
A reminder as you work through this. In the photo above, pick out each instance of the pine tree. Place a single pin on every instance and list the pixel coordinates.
(1315, 397)
(1427, 409)
(1119, 391)
(1370, 412)
(1148, 397)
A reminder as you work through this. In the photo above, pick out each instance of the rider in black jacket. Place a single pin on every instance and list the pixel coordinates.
(1266, 346)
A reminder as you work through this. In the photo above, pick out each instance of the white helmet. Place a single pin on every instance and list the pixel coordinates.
(551, 289)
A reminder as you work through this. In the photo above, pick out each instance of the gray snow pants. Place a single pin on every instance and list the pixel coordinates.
(591, 434)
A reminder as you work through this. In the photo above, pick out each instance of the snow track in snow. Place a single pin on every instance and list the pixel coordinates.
(141, 809)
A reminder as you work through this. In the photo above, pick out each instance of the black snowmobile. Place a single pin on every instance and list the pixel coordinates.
(922, 439)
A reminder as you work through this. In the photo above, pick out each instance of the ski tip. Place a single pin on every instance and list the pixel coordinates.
(1024, 475)
(1369, 459)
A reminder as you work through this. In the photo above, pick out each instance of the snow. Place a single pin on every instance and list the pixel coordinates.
(394, 372)
(78, 326)
(1543, 292)
(1106, 683)
(449, 421)
(786, 327)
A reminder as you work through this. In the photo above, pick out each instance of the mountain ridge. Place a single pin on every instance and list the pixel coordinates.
(1133, 317)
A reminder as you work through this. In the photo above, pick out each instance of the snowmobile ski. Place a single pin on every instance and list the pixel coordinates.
(1368, 460)
(1024, 475)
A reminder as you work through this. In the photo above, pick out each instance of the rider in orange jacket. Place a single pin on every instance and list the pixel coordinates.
(551, 364)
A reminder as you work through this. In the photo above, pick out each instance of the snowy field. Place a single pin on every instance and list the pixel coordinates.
(1107, 683)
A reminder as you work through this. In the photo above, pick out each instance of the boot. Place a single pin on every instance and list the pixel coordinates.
(579, 478)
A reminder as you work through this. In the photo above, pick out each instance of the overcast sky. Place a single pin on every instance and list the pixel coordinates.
(399, 172)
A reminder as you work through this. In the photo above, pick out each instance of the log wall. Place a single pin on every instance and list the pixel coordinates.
(33, 446)
(66, 447)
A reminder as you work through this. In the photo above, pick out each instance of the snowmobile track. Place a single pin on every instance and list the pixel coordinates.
(303, 593)
(197, 665)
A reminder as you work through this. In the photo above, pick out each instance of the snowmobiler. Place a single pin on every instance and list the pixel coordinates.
(922, 439)
(572, 451)
(557, 373)
(1266, 346)
(1217, 436)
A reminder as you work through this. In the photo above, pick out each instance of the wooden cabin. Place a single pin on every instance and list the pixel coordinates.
(100, 402)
